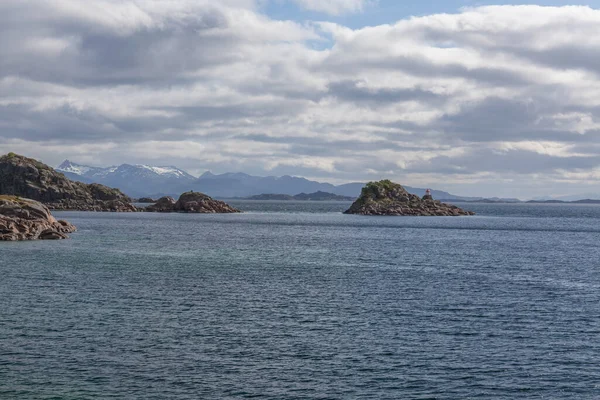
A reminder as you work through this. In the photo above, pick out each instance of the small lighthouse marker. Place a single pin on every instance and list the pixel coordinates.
(428, 195)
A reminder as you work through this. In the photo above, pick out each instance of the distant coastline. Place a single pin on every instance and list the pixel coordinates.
(493, 201)
(316, 196)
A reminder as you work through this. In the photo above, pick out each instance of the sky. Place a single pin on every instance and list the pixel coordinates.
(478, 98)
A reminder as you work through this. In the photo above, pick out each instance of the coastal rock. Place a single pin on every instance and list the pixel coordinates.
(26, 219)
(164, 204)
(29, 178)
(389, 198)
(146, 200)
(192, 202)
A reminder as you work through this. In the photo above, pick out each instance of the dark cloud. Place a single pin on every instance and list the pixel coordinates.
(496, 119)
(352, 91)
(63, 123)
(574, 56)
(91, 56)
(420, 66)
(511, 161)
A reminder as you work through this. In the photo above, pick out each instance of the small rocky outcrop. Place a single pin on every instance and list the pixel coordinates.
(31, 179)
(146, 200)
(389, 198)
(192, 202)
(25, 219)
(164, 204)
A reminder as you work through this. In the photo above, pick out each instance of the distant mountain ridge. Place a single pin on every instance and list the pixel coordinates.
(135, 180)
(570, 198)
(151, 181)
(316, 196)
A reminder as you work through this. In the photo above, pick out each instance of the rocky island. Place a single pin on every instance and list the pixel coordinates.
(145, 200)
(389, 198)
(192, 202)
(31, 179)
(25, 219)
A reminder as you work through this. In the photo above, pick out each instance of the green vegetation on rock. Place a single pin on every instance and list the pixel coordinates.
(388, 198)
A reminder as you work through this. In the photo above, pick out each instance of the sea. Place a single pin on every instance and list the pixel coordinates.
(295, 300)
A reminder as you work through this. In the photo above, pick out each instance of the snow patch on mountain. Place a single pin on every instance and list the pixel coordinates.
(168, 171)
(84, 170)
(68, 166)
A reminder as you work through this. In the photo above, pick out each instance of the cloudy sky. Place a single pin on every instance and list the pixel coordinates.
(466, 96)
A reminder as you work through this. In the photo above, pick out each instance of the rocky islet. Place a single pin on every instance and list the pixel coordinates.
(388, 198)
(192, 202)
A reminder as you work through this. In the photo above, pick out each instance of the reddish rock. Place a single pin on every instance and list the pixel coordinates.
(26, 219)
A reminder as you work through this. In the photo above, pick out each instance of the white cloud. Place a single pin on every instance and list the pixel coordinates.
(335, 7)
(501, 93)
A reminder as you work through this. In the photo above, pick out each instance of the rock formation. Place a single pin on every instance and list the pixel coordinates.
(28, 178)
(192, 202)
(25, 219)
(389, 198)
(164, 204)
(145, 200)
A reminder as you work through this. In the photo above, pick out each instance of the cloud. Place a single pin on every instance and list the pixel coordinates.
(334, 7)
(497, 94)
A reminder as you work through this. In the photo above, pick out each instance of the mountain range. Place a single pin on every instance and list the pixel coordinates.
(135, 180)
(569, 198)
(151, 181)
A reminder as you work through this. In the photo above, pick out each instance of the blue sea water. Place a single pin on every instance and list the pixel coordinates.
(294, 300)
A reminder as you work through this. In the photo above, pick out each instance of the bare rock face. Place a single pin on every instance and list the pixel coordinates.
(25, 219)
(29, 178)
(164, 204)
(195, 202)
(389, 198)
(192, 202)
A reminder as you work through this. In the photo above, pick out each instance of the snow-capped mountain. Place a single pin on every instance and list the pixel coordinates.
(135, 180)
(166, 171)
(151, 181)
(77, 169)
